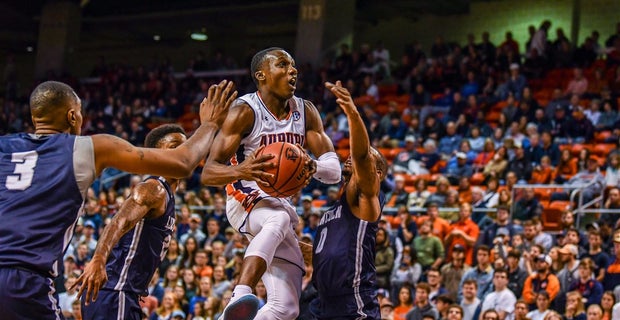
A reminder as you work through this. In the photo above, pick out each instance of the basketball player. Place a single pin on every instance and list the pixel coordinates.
(344, 250)
(271, 114)
(133, 244)
(43, 181)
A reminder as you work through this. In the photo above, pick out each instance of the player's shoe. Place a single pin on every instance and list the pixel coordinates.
(244, 308)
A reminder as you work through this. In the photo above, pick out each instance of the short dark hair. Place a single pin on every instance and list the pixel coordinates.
(445, 299)
(49, 96)
(152, 139)
(471, 281)
(484, 248)
(257, 61)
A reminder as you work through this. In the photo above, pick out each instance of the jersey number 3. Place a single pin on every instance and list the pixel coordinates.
(24, 170)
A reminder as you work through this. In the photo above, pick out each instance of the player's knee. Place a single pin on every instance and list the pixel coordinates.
(286, 313)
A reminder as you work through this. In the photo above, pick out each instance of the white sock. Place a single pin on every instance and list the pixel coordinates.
(239, 291)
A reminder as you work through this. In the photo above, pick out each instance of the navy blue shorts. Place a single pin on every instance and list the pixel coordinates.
(111, 305)
(27, 295)
(346, 307)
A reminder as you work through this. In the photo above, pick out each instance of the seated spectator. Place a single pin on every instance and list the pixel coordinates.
(470, 301)
(566, 168)
(590, 288)
(402, 163)
(449, 209)
(464, 189)
(574, 306)
(612, 202)
(405, 302)
(432, 128)
(384, 258)
(398, 196)
(612, 173)
(429, 248)
(429, 158)
(440, 195)
(407, 228)
(591, 176)
(498, 164)
(458, 169)
(607, 305)
(419, 196)
(516, 275)
(476, 140)
(485, 155)
(596, 253)
(501, 299)
(542, 287)
(520, 164)
(578, 85)
(491, 196)
(482, 273)
(546, 148)
(422, 304)
(579, 128)
(527, 207)
(543, 172)
(542, 307)
(501, 223)
(608, 117)
(594, 113)
(441, 227)
(449, 143)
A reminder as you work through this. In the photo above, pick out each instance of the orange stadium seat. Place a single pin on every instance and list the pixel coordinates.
(601, 136)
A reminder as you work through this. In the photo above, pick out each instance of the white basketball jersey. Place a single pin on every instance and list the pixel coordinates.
(267, 130)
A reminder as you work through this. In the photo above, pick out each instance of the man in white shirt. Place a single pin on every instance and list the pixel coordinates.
(470, 300)
(65, 299)
(502, 299)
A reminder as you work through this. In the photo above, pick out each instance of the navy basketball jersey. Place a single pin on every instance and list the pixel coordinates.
(43, 183)
(344, 264)
(140, 251)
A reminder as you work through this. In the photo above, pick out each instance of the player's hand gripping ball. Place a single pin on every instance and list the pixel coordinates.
(289, 173)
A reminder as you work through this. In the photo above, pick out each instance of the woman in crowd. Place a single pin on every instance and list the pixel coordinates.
(607, 303)
(575, 309)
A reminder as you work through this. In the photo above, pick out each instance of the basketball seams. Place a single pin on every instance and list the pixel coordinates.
(288, 172)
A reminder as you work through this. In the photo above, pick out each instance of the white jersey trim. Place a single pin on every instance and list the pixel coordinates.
(130, 255)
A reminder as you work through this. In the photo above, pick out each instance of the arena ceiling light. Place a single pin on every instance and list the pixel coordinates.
(199, 36)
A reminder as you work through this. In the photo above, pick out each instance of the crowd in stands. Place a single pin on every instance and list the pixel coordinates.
(461, 125)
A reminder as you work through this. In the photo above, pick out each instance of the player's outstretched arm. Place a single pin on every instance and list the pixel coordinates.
(326, 168)
(365, 181)
(217, 172)
(148, 199)
(111, 151)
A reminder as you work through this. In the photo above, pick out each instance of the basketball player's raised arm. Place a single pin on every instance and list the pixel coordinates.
(111, 151)
(326, 168)
(365, 183)
(216, 171)
(148, 199)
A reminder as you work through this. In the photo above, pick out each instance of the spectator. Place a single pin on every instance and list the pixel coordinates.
(384, 258)
(453, 272)
(607, 304)
(516, 275)
(542, 280)
(464, 232)
(422, 305)
(195, 230)
(586, 284)
(405, 162)
(502, 299)
(590, 176)
(578, 85)
(482, 273)
(596, 253)
(574, 306)
(542, 306)
(405, 302)
(419, 196)
(429, 248)
(470, 301)
(527, 207)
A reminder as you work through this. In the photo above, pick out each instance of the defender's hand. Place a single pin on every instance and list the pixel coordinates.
(214, 108)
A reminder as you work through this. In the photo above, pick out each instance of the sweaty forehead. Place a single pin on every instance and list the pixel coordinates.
(277, 55)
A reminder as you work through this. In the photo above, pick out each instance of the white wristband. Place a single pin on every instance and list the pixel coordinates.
(328, 168)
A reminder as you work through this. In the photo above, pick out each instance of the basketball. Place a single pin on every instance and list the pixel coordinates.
(289, 172)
